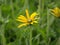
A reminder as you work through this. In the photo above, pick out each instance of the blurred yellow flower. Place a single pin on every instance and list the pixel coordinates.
(28, 19)
(56, 12)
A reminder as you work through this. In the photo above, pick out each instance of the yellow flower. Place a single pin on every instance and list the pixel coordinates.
(56, 12)
(28, 19)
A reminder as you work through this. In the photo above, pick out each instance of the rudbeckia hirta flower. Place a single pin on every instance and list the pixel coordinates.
(56, 12)
(28, 20)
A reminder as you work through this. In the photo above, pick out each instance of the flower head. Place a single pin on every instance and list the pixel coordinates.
(56, 12)
(28, 19)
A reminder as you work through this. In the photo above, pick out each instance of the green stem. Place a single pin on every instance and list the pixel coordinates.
(26, 4)
(5, 2)
(39, 8)
(48, 26)
(26, 41)
(20, 42)
(48, 23)
(42, 3)
(0, 13)
(11, 4)
(39, 12)
(38, 41)
(30, 37)
(3, 41)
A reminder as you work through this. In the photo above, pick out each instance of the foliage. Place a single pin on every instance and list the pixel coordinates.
(46, 32)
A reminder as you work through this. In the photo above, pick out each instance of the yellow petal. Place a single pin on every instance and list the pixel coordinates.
(22, 25)
(33, 15)
(34, 22)
(56, 12)
(56, 8)
(27, 13)
(22, 18)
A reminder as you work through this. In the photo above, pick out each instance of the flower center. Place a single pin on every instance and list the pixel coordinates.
(29, 21)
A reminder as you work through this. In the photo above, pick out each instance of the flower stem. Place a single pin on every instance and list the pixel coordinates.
(3, 40)
(12, 8)
(48, 25)
(30, 37)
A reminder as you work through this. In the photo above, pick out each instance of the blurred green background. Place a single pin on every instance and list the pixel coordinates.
(46, 32)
